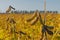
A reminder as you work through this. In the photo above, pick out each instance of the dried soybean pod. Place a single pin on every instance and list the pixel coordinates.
(33, 16)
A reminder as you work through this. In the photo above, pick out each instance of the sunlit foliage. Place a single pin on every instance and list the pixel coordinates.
(25, 31)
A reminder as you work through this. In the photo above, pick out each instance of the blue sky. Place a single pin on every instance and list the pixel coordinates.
(52, 5)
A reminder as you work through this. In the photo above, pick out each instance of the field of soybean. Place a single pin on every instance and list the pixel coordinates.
(15, 27)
